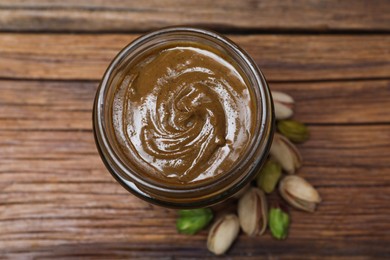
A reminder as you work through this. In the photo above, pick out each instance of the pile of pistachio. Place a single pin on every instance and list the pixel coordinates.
(254, 214)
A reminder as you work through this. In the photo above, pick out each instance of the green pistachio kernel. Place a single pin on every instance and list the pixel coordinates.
(269, 176)
(278, 223)
(294, 130)
(191, 221)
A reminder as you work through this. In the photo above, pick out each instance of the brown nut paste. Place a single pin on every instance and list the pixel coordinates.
(183, 113)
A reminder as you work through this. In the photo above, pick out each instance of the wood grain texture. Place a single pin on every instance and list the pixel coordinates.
(72, 150)
(281, 57)
(48, 105)
(57, 198)
(130, 16)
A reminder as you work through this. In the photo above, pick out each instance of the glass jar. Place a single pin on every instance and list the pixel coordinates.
(189, 196)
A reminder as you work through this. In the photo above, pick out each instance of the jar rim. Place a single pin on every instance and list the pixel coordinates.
(190, 196)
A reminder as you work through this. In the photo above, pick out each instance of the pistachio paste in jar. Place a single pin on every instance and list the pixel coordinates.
(183, 113)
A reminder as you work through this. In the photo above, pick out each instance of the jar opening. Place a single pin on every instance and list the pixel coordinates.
(192, 194)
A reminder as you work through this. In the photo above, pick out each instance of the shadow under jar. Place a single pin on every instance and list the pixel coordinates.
(183, 118)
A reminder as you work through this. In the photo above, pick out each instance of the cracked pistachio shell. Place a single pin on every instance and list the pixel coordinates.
(283, 105)
(223, 233)
(253, 212)
(299, 193)
(286, 154)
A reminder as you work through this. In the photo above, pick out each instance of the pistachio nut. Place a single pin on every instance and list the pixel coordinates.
(283, 105)
(299, 193)
(285, 153)
(253, 212)
(293, 130)
(279, 222)
(191, 221)
(269, 176)
(223, 233)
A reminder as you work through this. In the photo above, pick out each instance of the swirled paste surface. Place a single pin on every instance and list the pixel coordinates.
(183, 113)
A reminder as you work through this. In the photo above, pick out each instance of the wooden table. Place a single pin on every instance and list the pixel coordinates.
(58, 200)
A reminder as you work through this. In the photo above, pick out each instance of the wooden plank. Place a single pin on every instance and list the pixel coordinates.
(281, 57)
(344, 146)
(47, 105)
(98, 15)
(65, 207)
(348, 146)
(49, 216)
(339, 102)
(333, 157)
(245, 248)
